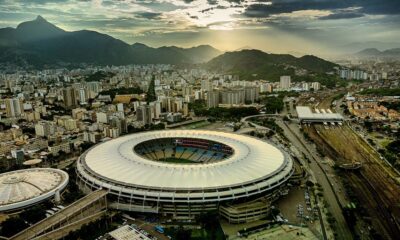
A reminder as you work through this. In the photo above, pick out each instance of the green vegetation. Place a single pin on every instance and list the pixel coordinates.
(210, 229)
(12, 226)
(72, 193)
(392, 153)
(271, 124)
(210, 222)
(196, 125)
(151, 92)
(274, 104)
(147, 127)
(235, 113)
(123, 90)
(34, 214)
(98, 76)
(255, 64)
(382, 92)
(17, 223)
(330, 81)
(392, 105)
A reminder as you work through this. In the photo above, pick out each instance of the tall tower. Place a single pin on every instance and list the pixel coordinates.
(14, 107)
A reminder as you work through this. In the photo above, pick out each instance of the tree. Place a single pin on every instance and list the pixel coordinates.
(151, 92)
(183, 234)
(209, 221)
(12, 226)
(368, 125)
(274, 104)
(34, 214)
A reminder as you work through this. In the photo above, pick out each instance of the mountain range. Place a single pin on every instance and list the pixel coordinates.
(393, 54)
(359, 46)
(39, 43)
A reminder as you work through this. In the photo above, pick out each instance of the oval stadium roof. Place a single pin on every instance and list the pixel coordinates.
(252, 159)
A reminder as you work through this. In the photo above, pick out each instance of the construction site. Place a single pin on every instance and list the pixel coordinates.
(372, 183)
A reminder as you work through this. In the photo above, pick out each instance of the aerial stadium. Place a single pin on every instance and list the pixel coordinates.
(24, 188)
(181, 173)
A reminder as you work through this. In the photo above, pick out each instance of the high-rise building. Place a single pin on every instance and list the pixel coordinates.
(45, 128)
(187, 90)
(316, 86)
(212, 99)
(101, 117)
(14, 107)
(18, 155)
(233, 96)
(93, 88)
(82, 96)
(198, 95)
(305, 86)
(251, 94)
(285, 82)
(186, 109)
(206, 85)
(69, 97)
(143, 114)
(70, 124)
(157, 109)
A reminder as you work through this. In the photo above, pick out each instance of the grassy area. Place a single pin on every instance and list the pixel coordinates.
(176, 160)
(197, 125)
(200, 234)
(197, 234)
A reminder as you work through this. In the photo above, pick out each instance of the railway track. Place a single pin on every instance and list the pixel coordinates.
(376, 189)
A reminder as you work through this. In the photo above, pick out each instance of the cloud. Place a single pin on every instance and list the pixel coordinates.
(149, 15)
(275, 7)
(342, 15)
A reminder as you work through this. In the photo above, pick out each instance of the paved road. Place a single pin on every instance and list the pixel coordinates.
(298, 141)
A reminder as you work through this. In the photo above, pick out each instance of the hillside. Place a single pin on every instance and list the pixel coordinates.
(256, 64)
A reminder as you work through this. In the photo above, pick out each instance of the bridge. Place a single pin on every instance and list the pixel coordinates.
(85, 210)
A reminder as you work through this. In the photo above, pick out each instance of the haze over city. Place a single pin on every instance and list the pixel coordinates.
(322, 27)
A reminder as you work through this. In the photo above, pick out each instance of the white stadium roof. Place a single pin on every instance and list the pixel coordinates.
(252, 159)
(22, 188)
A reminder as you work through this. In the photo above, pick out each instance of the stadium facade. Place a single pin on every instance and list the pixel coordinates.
(181, 173)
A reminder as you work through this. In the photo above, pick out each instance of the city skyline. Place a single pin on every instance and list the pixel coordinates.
(322, 27)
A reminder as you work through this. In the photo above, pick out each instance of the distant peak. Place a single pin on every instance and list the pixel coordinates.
(40, 18)
(138, 44)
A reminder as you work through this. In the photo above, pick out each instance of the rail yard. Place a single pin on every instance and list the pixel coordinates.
(375, 185)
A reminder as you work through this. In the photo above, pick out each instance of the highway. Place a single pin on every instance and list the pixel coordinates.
(332, 198)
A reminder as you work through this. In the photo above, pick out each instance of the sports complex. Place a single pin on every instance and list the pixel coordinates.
(24, 188)
(181, 173)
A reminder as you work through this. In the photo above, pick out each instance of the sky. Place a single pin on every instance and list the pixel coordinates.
(280, 26)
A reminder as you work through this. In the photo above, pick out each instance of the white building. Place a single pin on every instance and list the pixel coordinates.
(14, 107)
(44, 129)
(285, 82)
